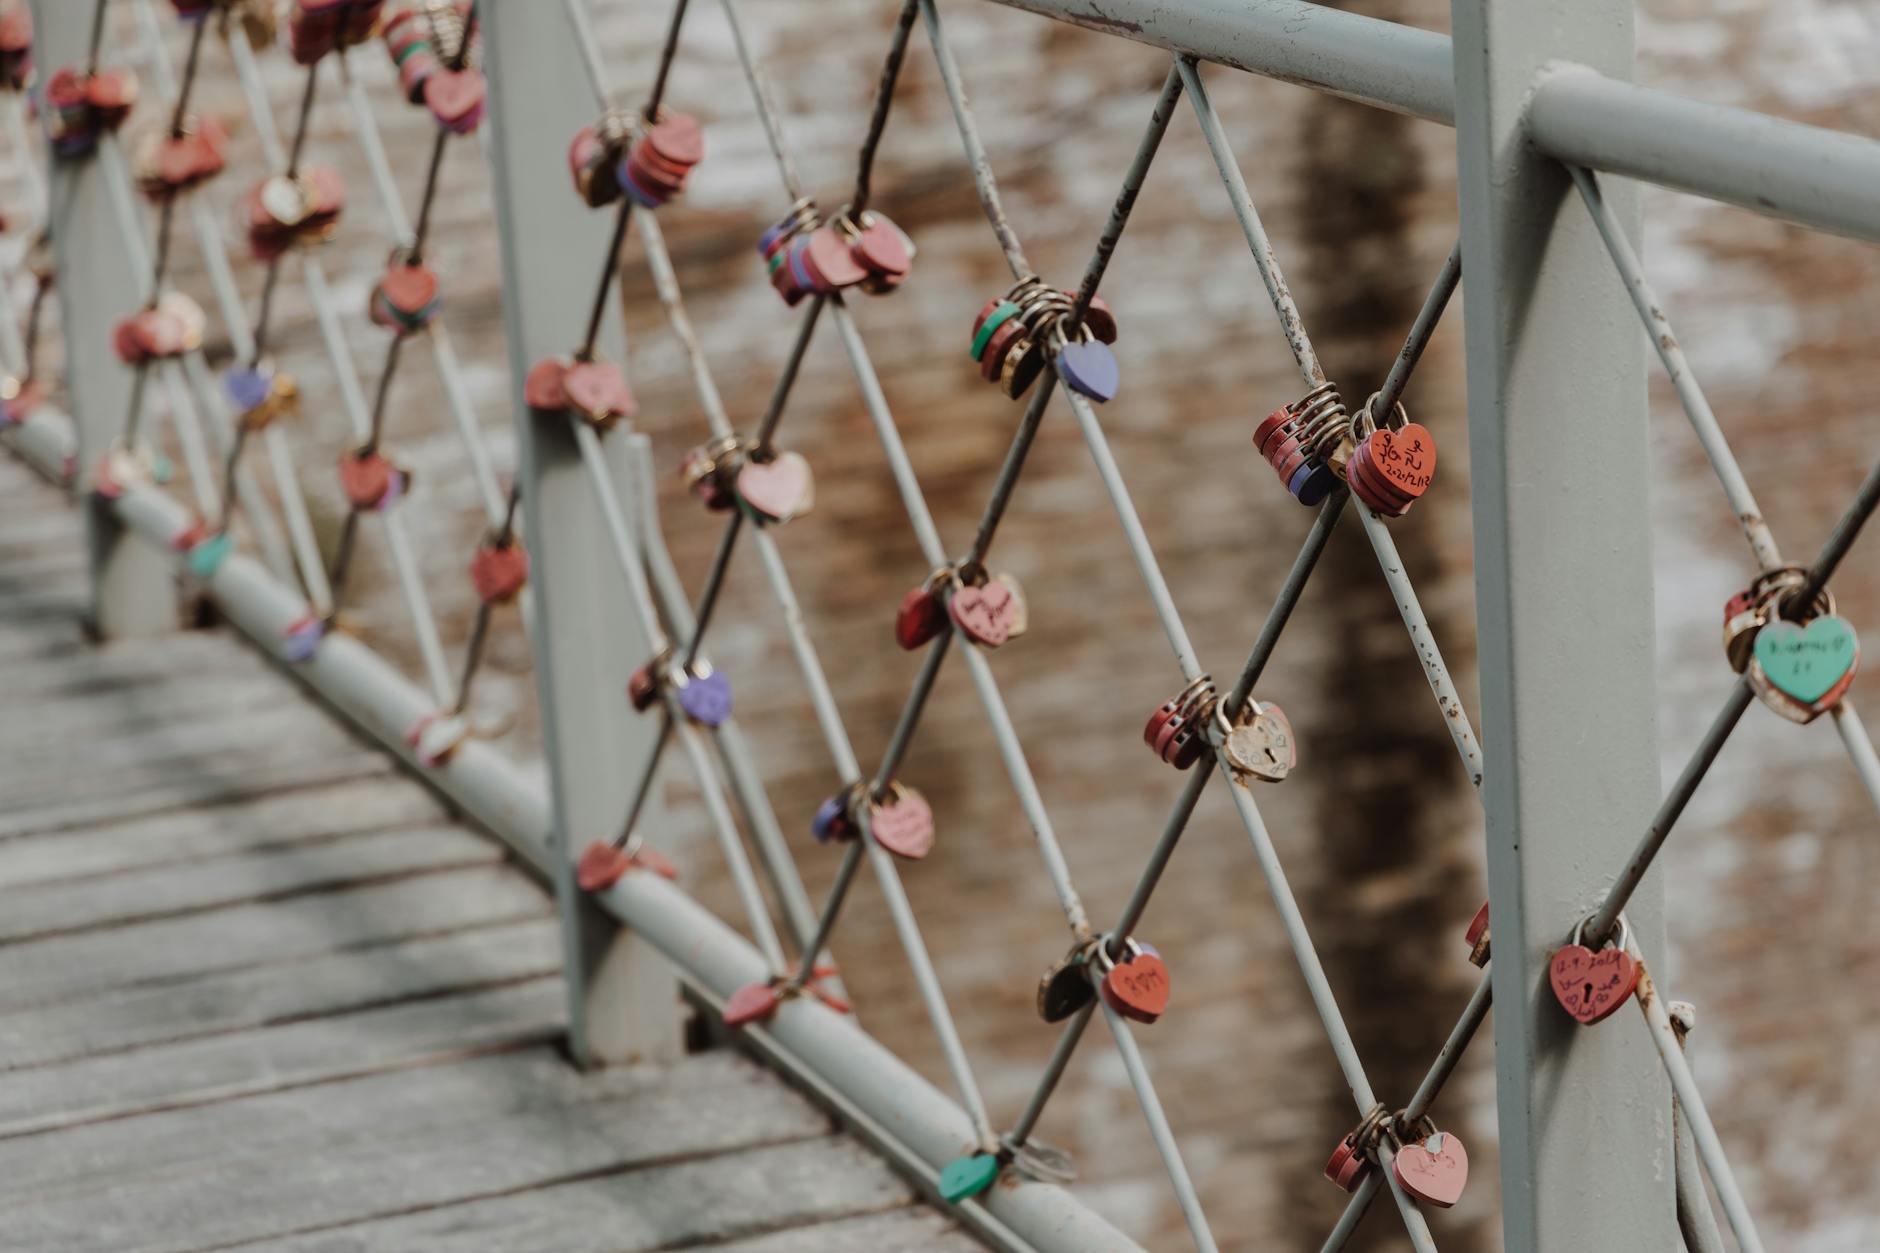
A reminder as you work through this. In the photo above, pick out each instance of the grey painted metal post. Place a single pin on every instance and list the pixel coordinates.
(1557, 434)
(132, 589)
(623, 1002)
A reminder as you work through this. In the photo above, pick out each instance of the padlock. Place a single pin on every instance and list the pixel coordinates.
(1591, 986)
(1175, 731)
(83, 105)
(499, 570)
(371, 480)
(922, 614)
(777, 489)
(1801, 669)
(1259, 744)
(317, 27)
(1299, 441)
(660, 159)
(1015, 336)
(260, 394)
(1066, 988)
(1392, 465)
(1137, 985)
(1434, 1169)
(991, 612)
(169, 163)
(1478, 937)
(901, 822)
(282, 212)
(704, 694)
(406, 299)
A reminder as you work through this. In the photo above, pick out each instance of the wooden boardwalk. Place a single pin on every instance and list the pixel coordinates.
(258, 991)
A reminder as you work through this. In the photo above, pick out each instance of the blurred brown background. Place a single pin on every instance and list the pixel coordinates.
(1769, 876)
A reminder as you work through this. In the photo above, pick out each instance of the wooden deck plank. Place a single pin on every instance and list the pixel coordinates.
(62, 968)
(86, 904)
(255, 824)
(260, 996)
(296, 1161)
(313, 1050)
(641, 1211)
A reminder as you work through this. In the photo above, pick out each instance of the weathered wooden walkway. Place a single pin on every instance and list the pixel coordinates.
(258, 991)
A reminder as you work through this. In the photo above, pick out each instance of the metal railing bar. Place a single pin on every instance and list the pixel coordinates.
(1134, 175)
(884, 103)
(1690, 1102)
(766, 107)
(449, 368)
(1697, 408)
(1421, 330)
(746, 782)
(1697, 1222)
(737, 860)
(1010, 468)
(1423, 641)
(424, 624)
(19, 136)
(666, 284)
(619, 533)
(1159, 1130)
(1860, 748)
(1839, 541)
(1318, 987)
(1447, 1059)
(1290, 323)
(981, 164)
(1423, 644)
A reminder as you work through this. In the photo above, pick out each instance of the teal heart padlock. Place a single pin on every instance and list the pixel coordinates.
(966, 1177)
(1801, 670)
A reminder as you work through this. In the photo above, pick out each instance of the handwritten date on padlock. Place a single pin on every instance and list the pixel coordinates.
(1406, 457)
(1590, 985)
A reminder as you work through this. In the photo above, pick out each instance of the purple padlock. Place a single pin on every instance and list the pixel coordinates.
(247, 387)
(706, 697)
(302, 638)
(832, 817)
(1089, 367)
(1312, 482)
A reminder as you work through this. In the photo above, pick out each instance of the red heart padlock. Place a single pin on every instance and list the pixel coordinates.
(1406, 457)
(366, 478)
(1590, 985)
(643, 687)
(754, 1002)
(903, 824)
(456, 99)
(1478, 937)
(989, 614)
(598, 391)
(409, 292)
(543, 389)
(1137, 987)
(1434, 1169)
(920, 618)
(601, 866)
(499, 572)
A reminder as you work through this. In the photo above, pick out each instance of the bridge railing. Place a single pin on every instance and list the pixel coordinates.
(1543, 116)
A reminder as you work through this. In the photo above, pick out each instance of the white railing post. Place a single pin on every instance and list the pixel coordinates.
(132, 589)
(622, 996)
(1558, 453)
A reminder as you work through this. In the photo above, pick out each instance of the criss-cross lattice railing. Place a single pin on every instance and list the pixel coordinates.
(608, 603)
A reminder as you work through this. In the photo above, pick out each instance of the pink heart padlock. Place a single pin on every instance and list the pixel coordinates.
(779, 489)
(1434, 1169)
(989, 614)
(601, 866)
(903, 824)
(754, 1002)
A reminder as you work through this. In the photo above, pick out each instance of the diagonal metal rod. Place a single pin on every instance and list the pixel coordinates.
(1405, 362)
(884, 102)
(1839, 541)
(1697, 408)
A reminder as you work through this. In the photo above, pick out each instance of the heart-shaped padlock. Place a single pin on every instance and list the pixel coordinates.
(1434, 1169)
(920, 617)
(705, 695)
(966, 1177)
(1591, 986)
(456, 99)
(1812, 664)
(499, 571)
(1478, 937)
(1089, 368)
(371, 480)
(434, 737)
(990, 613)
(1261, 747)
(754, 1002)
(903, 823)
(1137, 986)
(598, 392)
(779, 489)
(1065, 987)
(407, 298)
(601, 866)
